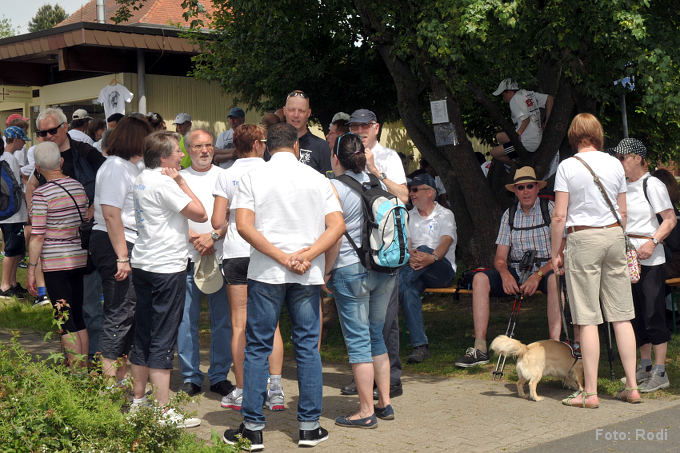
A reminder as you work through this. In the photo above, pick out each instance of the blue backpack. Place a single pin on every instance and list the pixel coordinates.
(384, 235)
(11, 195)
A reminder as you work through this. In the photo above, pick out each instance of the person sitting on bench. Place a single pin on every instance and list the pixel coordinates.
(524, 226)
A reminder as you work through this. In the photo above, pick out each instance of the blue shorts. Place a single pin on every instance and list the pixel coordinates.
(13, 235)
(496, 282)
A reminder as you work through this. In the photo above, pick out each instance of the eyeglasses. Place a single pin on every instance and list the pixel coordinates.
(416, 189)
(521, 187)
(296, 93)
(52, 131)
(264, 140)
(206, 146)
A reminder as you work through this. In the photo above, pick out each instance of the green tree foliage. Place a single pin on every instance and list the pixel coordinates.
(6, 28)
(47, 17)
(395, 56)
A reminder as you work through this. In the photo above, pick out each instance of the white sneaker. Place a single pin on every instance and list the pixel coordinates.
(232, 401)
(138, 404)
(179, 420)
(275, 400)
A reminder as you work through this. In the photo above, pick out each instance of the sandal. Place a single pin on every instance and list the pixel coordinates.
(624, 395)
(568, 401)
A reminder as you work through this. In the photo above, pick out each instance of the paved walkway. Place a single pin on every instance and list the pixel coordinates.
(456, 415)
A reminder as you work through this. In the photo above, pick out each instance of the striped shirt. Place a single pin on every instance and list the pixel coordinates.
(521, 241)
(54, 215)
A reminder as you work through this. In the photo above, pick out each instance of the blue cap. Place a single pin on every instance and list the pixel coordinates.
(16, 132)
(237, 112)
(362, 116)
(423, 179)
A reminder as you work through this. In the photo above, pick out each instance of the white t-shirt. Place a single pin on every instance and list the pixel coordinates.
(20, 156)
(527, 104)
(20, 215)
(429, 230)
(642, 216)
(225, 186)
(587, 206)
(290, 201)
(441, 190)
(225, 140)
(387, 161)
(28, 169)
(80, 136)
(113, 187)
(162, 230)
(201, 184)
(113, 98)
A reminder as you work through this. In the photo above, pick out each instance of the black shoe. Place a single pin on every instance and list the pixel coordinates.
(312, 437)
(190, 388)
(384, 413)
(349, 389)
(42, 300)
(20, 291)
(224, 388)
(232, 436)
(471, 358)
(419, 354)
(396, 390)
(7, 294)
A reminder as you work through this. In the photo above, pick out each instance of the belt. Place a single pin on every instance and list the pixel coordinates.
(575, 228)
(638, 236)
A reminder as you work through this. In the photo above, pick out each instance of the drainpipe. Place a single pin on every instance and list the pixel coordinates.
(101, 11)
(141, 83)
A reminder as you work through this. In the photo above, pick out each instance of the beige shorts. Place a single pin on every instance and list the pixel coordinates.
(596, 271)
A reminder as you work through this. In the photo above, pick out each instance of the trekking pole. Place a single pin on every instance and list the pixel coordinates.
(610, 352)
(563, 302)
(525, 267)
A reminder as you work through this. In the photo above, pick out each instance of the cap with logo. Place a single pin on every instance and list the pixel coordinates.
(362, 116)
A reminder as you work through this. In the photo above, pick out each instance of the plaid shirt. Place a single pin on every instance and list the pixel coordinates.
(520, 241)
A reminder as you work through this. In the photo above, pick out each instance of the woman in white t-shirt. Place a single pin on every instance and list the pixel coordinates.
(249, 142)
(113, 236)
(594, 258)
(648, 197)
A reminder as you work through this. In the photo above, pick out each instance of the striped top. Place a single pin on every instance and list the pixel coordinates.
(54, 215)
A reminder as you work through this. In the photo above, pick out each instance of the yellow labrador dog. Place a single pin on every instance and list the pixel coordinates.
(545, 357)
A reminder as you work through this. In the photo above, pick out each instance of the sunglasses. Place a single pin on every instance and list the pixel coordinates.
(52, 131)
(416, 189)
(521, 187)
(296, 93)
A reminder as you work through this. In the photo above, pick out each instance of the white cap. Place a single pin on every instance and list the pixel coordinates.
(182, 118)
(339, 116)
(505, 85)
(80, 114)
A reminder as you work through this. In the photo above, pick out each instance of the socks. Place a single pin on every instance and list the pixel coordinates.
(42, 291)
(481, 345)
(141, 400)
(659, 369)
(237, 392)
(275, 382)
(646, 364)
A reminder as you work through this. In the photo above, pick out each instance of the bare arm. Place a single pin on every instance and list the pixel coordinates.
(548, 108)
(668, 223)
(34, 252)
(114, 226)
(220, 215)
(396, 189)
(500, 263)
(623, 210)
(223, 155)
(194, 210)
(559, 220)
(420, 259)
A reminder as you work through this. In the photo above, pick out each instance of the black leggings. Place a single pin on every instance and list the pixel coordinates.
(66, 293)
(650, 307)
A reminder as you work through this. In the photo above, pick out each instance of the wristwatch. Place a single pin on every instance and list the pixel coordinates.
(382, 176)
(539, 273)
(215, 235)
(655, 241)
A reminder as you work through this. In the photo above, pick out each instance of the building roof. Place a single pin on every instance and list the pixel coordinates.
(156, 12)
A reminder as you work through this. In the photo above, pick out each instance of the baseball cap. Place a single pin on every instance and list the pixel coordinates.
(207, 275)
(15, 116)
(505, 85)
(16, 132)
(80, 114)
(423, 179)
(631, 146)
(182, 118)
(237, 112)
(362, 116)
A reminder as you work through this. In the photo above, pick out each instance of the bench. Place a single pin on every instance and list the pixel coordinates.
(455, 291)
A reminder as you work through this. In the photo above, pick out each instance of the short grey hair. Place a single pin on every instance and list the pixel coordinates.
(159, 144)
(54, 112)
(47, 156)
(187, 136)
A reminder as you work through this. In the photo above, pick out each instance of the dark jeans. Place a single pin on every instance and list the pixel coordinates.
(391, 335)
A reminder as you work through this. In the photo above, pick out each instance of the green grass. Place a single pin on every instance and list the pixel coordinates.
(18, 314)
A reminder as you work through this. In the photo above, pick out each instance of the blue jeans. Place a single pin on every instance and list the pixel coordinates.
(412, 283)
(361, 298)
(93, 311)
(220, 335)
(264, 307)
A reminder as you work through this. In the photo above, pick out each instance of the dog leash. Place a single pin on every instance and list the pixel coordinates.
(565, 328)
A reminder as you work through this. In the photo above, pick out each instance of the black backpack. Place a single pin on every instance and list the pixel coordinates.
(384, 233)
(11, 195)
(672, 241)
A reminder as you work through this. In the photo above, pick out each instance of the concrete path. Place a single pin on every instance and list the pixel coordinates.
(454, 415)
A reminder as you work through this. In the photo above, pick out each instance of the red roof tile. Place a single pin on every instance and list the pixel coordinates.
(157, 12)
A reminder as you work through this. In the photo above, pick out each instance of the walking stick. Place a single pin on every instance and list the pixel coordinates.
(610, 352)
(525, 267)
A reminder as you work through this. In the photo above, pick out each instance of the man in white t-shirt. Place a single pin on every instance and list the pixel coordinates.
(163, 203)
(203, 241)
(224, 145)
(432, 245)
(526, 116)
(386, 165)
(290, 215)
(79, 122)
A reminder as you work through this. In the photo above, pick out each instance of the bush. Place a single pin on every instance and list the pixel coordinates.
(50, 408)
